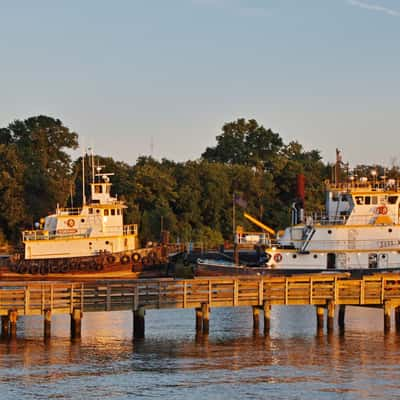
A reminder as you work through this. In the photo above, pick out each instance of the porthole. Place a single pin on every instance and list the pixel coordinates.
(329, 231)
(390, 230)
(83, 220)
(90, 243)
(107, 242)
(294, 255)
(383, 256)
(315, 255)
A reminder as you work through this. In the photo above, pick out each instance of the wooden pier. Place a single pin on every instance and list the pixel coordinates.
(327, 292)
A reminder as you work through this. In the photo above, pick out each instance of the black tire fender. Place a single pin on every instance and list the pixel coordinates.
(146, 260)
(98, 267)
(136, 257)
(125, 259)
(110, 259)
(23, 269)
(64, 268)
(45, 269)
(34, 269)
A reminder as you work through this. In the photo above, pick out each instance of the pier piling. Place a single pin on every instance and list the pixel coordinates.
(256, 318)
(47, 324)
(13, 317)
(5, 326)
(205, 311)
(199, 320)
(267, 317)
(397, 318)
(387, 309)
(76, 323)
(320, 317)
(138, 323)
(330, 316)
(341, 316)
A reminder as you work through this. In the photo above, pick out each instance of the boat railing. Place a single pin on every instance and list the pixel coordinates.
(69, 211)
(341, 245)
(131, 229)
(323, 219)
(40, 234)
(252, 238)
(378, 185)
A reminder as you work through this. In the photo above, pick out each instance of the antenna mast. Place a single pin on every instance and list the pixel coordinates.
(92, 162)
(83, 179)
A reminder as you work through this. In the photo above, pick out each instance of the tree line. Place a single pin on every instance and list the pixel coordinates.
(193, 200)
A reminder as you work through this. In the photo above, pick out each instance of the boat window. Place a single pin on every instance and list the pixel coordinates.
(108, 189)
(97, 211)
(335, 197)
(98, 189)
(105, 212)
(113, 211)
(345, 197)
(90, 210)
(360, 200)
(367, 200)
(118, 212)
(392, 199)
(374, 199)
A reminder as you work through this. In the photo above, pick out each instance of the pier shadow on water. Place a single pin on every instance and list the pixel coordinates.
(233, 361)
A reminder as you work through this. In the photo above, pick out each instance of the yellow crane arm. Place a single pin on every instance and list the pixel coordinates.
(259, 224)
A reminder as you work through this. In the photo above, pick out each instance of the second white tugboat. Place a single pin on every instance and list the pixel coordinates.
(360, 229)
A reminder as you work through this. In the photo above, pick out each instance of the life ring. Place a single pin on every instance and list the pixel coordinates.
(136, 257)
(97, 267)
(124, 259)
(110, 259)
(278, 257)
(55, 268)
(34, 269)
(64, 268)
(146, 260)
(23, 269)
(71, 223)
(44, 269)
(13, 267)
(383, 210)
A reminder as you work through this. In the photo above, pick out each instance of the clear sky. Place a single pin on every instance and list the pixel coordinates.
(162, 76)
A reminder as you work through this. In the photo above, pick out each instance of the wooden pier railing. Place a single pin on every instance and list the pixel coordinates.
(46, 298)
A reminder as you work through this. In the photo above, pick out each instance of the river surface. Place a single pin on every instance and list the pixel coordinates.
(232, 362)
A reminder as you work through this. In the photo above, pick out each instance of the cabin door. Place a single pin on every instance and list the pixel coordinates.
(372, 260)
(331, 261)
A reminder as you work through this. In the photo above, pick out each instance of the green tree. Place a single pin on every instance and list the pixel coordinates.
(13, 212)
(154, 195)
(247, 143)
(41, 144)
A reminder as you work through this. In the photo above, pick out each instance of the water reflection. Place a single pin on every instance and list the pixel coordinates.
(172, 362)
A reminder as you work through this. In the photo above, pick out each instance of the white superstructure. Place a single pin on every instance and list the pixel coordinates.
(95, 228)
(359, 230)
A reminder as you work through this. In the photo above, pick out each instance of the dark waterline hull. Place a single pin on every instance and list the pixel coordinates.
(221, 270)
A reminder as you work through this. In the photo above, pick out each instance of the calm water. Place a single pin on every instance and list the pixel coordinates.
(231, 363)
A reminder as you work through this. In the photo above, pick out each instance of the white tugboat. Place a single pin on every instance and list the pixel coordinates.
(90, 238)
(95, 228)
(360, 229)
